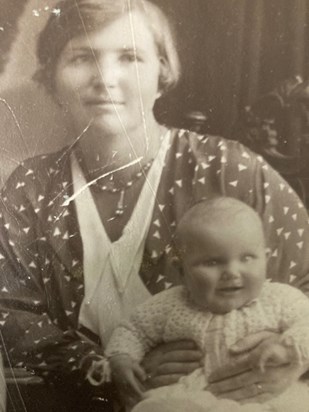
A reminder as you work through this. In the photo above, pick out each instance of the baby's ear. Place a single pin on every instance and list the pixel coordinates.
(176, 263)
(267, 253)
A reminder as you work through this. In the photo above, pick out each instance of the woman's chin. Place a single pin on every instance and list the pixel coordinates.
(102, 126)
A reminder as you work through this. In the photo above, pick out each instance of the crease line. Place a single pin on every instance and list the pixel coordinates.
(16, 122)
(106, 87)
(138, 77)
(73, 197)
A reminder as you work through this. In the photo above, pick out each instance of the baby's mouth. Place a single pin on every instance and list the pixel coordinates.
(229, 289)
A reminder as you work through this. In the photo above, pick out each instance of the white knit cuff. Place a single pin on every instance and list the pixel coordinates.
(99, 372)
(300, 352)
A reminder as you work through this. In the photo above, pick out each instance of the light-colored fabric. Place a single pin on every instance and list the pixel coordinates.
(176, 399)
(113, 287)
(172, 316)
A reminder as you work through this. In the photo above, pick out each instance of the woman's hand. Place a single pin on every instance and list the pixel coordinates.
(245, 381)
(168, 362)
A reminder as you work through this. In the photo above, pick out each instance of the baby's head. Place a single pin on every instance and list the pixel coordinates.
(221, 253)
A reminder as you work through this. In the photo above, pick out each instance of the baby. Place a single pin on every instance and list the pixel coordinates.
(221, 255)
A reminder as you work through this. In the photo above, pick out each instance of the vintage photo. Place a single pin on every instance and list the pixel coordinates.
(154, 196)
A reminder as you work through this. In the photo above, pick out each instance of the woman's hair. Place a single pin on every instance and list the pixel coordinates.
(72, 18)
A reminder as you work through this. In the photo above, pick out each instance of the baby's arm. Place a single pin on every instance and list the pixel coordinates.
(124, 352)
(145, 328)
(133, 339)
(128, 375)
(275, 354)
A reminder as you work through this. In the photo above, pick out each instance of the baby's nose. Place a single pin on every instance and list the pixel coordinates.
(231, 270)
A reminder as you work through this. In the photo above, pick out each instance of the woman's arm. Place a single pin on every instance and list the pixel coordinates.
(168, 362)
(37, 332)
(287, 230)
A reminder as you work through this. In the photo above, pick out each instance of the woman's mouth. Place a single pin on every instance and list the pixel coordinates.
(103, 102)
(101, 107)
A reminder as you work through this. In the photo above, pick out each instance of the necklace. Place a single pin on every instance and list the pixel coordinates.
(110, 187)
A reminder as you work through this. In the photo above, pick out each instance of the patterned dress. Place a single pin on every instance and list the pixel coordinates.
(41, 253)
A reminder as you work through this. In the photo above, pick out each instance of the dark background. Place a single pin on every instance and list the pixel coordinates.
(232, 51)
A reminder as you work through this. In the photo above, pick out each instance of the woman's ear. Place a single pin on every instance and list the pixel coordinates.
(267, 253)
(158, 95)
(163, 76)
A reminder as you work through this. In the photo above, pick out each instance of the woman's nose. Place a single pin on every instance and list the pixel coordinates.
(106, 74)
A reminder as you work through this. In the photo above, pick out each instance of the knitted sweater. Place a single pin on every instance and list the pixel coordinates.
(171, 315)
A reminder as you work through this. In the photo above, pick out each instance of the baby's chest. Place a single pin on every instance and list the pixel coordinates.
(217, 333)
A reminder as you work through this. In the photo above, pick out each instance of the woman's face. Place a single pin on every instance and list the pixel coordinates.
(109, 78)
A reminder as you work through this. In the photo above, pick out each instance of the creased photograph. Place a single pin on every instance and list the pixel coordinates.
(154, 197)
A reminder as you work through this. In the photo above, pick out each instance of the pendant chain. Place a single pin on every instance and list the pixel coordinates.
(106, 187)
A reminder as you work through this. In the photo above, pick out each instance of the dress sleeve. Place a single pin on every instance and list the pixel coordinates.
(32, 336)
(145, 329)
(228, 168)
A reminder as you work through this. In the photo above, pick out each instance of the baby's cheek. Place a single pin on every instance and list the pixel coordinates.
(201, 283)
(206, 279)
(202, 290)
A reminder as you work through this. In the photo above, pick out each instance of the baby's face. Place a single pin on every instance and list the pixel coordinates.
(224, 262)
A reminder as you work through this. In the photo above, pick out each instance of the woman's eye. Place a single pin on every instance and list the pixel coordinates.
(130, 57)
(81, 58)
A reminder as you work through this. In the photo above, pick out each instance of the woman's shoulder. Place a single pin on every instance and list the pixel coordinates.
(215, 159)
(45, 160)
(193, 138)
(206, 143)
(35, 177)
(37, 167)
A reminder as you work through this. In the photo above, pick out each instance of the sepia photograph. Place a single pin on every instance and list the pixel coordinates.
(154, 198)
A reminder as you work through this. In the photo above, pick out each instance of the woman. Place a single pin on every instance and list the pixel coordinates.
(87, 231)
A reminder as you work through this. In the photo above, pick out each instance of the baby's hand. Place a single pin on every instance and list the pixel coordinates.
(128, 376)
(275, 354)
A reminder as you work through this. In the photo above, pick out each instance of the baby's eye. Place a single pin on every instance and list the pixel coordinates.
(247, 258)
(210, 262)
